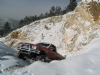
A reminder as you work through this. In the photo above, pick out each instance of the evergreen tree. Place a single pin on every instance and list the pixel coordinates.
(1, 32)
(26, 20)
(52, 11)
(35, 18)
(46, 15)
(41, 16)
(21, 23)
(58, 11)
(72, 5)
(31, 19)
(7, 28)
(65, 10)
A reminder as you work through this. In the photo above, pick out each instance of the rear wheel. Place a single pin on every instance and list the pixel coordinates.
(47, 59)
(43, 58)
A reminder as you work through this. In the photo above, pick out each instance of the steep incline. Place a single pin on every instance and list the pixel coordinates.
(69, 32)
(81, 25)
(5, 50)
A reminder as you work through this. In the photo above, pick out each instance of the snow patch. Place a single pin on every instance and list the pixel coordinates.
(85, 62)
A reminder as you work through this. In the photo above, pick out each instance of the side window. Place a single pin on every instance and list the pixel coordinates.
(53, 48)
(33, 47)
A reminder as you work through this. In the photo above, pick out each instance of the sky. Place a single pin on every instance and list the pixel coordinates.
(18, 9)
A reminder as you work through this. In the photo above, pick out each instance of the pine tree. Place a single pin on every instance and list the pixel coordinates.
(65, 10)
(7, 28)
(31, 18)
(72, 5)
(41, 16)
(35, 18)
(21, 23)
(26, 20)
(58, 11)
(1, 32)
(46, 15)
(52, 11)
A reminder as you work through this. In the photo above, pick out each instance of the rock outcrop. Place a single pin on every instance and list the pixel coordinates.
(70, 32)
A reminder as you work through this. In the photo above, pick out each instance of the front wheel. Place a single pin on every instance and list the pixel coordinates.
(21, 56)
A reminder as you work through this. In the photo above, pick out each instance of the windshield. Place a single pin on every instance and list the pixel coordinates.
(24, 46)
(43, 44)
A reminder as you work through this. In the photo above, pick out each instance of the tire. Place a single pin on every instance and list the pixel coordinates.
(43, 58)
(21, 56)
(47, 59)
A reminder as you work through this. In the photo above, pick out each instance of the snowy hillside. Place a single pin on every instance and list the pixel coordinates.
(90, 0)
(75, 34)
(6, 50)
(69, 32)
(8, 59)
(85, 62)
(47, 30)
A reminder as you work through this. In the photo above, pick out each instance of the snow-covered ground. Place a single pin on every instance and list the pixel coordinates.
(85, 62)
(74, 35)
(8, 59)
(90, 0)
(6, 50)
(69, 32)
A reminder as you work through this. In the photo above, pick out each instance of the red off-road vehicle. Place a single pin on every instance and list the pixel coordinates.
(40, 51)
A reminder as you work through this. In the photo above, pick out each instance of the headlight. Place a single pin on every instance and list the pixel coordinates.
(33, 47)
(18, 48)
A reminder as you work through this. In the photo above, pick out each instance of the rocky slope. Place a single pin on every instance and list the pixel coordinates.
(83, 23)
(69, 32)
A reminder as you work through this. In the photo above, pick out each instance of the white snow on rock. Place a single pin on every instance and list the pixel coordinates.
(8, 59)
(45, 30)
(69, 32)
(76, 34)
(7, 62)
(5, 50)
(90, 0)
(85, 62)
